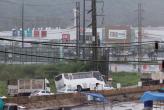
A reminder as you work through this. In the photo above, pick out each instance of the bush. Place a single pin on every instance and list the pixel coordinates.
(16, 71)
(125, 78)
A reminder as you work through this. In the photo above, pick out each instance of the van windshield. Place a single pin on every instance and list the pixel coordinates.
(12, 107)
(98, 75)
(5, 108)
(57, 78)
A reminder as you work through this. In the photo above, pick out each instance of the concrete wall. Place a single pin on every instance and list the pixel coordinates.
(134, 68)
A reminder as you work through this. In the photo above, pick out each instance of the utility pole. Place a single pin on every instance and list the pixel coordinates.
(22, 23)
(94, 34)
(77, 29)
(84, 28)
(22, 13)
(140, 15)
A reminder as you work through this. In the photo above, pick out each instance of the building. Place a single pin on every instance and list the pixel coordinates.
(118, 34)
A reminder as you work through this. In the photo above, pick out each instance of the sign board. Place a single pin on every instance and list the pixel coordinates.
(65, 38)
(29, 32)
(150, 68)
(36, 33)
(117, 34)
(43, 33)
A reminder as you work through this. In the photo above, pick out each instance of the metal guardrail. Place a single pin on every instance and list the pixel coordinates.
(129, 90)
(62, 100)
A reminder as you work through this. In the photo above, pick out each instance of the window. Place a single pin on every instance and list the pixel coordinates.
(66, 76)
(43, 91)
(97, 75)
(58, 78)
(47, 85)
(5, 108)
(12, 108)
(81, 75)
(47, 92)
(35, 92)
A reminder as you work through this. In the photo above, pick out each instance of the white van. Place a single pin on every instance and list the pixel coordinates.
(79, 81)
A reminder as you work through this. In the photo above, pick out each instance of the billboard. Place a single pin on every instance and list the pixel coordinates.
(117, 34)
(150, 68)
(65, 38)
(29, 32)
(36, 33)
(43, 33)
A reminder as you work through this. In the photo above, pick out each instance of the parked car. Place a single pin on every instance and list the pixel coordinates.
(41, 93)
(14, 106)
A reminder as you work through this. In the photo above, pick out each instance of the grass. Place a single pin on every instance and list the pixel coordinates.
(125, 79)
(3, 88)
(8, 72)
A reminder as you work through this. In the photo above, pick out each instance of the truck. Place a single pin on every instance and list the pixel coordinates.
(152, 78)
(24, 87)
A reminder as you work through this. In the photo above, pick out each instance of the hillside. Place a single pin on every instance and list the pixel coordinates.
(41, 13)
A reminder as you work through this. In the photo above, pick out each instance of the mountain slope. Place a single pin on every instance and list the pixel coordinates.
(41, 13)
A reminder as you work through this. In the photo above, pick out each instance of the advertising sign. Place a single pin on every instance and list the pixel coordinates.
(43, 33)
(150, 68)
(36, 33)
(117, 34)
(29, 32)
(65, 38)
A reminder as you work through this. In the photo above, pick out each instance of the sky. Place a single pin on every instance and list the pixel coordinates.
(53, 13)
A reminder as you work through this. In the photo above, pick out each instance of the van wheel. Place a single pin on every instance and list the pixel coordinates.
(79, 88)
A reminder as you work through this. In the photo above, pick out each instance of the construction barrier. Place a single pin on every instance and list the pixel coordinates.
(75, 98)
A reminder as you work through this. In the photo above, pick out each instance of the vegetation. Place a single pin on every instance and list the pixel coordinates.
(2, 88)
(37, 70)
(125, 79)
(12, 71)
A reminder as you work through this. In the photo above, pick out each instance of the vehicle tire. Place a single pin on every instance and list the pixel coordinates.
(79, 88)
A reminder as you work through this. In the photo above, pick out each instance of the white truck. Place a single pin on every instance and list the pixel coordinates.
(153, 78)
(24, 87)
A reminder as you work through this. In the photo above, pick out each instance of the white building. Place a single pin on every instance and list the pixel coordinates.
(50, 34)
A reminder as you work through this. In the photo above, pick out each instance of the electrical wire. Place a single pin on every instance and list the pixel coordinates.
(75, 59)
(65, 44)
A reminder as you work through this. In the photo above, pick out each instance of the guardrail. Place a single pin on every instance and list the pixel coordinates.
(128, 90)
(62, 100)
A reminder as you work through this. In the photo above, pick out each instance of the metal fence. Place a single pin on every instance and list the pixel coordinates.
(52, 52)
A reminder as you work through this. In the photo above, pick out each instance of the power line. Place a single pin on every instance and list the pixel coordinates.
(66, 44)
(74, 59)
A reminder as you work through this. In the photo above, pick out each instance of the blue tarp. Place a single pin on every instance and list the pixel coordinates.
(1, 104)
(97, 97)
(152, 96)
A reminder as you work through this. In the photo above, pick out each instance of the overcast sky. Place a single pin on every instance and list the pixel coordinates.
(59, 12)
